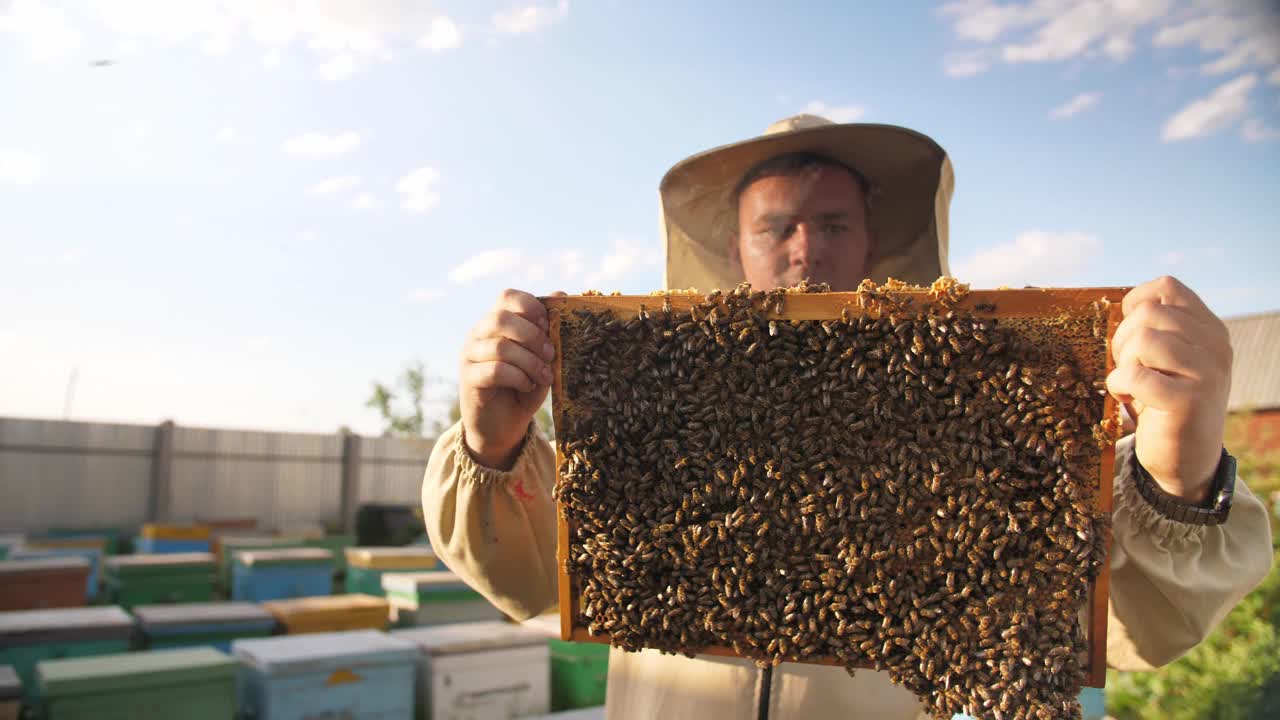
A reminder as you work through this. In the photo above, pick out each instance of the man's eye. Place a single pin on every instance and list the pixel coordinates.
(834, 228)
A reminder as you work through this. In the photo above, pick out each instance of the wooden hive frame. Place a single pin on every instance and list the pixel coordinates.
(1026, 304)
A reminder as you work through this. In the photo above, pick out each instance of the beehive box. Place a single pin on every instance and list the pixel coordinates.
(10, 693)
(579, 670)
(92, 555)
(588, 713)
(434, 598)
(160, 578)
(43, 583)
(335, 613)
(10, 542)
(855, 479)
(29, 636)
(480, 671)
(111, 536)
(215, 624)
(365, 565)
(361, 674)
(226, 546)
(195, 684)
(279, 574)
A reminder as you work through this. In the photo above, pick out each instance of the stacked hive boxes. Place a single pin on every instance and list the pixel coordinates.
(434, 598)
(334, 613)
(195, 684)
(361, 674)
(196, 624)
(28, 637)
(480, 670)
(579, 671)
(366, 565)
(161, 538)
(278, 574)
(160, 578)
(43, 583)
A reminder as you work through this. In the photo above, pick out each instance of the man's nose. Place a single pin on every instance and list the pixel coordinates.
(805, 245)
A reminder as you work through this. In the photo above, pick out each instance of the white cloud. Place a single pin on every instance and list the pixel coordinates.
(338, 67)
(1212, 113)
(48, 34)
(1053, 29)
(1075, 105)
(1239, 34)
(486, 264)
(271, 58)
(529, 18)
(365, 201)
(426, 294)
(365, 29)
(72, 256)
(568, 267)
(1231, 35)
(1255, 131)
(1035, 257)
(1068, 30)
(1173, 257)
(624, 257)
(225, 135)
(336, 184)
(315, 144)
(19, 167)
(965, 64)
(842, 114)
(418, 189)
(442, 35)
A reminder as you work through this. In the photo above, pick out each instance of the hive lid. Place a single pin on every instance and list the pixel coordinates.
(130, 671)
(285, 556)
(164, 562)
(30, 627)
(326, 604)
(392, 558)
(201, 613)
(43, 565)
(418, 582)
(10, 685)
(317, 652)
(470, 637)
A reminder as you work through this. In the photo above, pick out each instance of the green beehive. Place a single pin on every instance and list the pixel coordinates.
(30, 636)
(162, 578)
(196, 684)
(579, 671)
(10, 693)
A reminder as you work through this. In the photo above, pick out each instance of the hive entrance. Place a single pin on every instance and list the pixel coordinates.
(911, 481)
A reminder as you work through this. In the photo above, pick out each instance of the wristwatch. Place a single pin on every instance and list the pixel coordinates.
(1216, 508)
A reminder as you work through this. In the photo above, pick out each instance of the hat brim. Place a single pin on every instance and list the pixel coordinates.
(908, 172)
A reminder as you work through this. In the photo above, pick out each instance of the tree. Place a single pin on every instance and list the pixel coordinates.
(413, 423)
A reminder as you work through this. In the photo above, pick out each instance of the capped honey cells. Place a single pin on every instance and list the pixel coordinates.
(910, 487)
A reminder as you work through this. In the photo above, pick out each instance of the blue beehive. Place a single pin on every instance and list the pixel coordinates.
(359, 674)
(264, 575)
(94, 557)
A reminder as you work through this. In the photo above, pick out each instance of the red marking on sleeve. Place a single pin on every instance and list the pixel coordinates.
(521, 493)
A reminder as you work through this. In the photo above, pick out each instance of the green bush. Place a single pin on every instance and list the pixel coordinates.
(1235, 672)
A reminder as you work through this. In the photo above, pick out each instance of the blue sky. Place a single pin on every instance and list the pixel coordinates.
(257, 208)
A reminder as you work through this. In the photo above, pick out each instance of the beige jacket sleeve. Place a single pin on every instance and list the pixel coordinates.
(1172, 582)
(496, 530)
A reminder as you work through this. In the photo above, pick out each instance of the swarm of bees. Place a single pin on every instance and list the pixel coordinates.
(908, 488)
